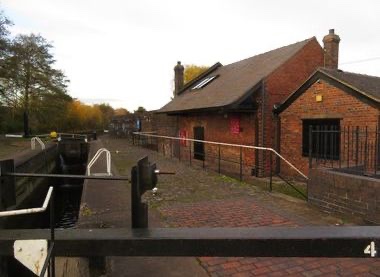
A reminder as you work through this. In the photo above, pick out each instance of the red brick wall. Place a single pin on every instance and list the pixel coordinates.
(217, 128)
(335, 104)
(329, 191)
(278, 85)
(286, 79)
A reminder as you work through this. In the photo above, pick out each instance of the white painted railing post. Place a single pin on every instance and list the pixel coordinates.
(95, 158)
(33, 143)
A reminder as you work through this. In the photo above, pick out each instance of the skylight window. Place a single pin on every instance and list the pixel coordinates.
(203, 83)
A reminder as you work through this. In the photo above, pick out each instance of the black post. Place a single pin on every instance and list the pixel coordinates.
(317, 131)
(357, 145)
(341, 147)
(219, 158)
(139, 210)
(241, 164)
(179, 150)
(204, 158)
(325, 131)
(171, 148)
(366, 149)
(332, 144)
(348, 147)
(310, 146)
(143, 178)
(270, 173)
(376, 151)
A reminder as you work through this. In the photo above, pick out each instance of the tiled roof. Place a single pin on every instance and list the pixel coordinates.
(234, 81)
(364, 84)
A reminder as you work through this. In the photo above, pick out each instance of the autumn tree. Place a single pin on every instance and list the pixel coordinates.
(121, 112)
(107, 113)
(192, 71)
(82, 117)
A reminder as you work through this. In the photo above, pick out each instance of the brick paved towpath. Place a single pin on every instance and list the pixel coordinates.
(197, 198)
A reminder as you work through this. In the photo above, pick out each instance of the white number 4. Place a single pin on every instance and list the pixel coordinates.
(371, 249)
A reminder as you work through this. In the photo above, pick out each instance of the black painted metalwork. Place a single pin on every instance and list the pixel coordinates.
(223, 242)
(68, 176)
(349, 149)
(144, 177)
(7, 184)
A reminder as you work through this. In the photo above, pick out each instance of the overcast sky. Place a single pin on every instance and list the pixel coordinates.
(123, 52)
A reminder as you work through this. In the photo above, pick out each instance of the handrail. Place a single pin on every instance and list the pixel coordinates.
(95, 158)
(72, 135)
(228, 144)
(33, 143)
(30, 210)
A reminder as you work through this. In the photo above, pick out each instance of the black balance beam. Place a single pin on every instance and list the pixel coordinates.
(358, 241)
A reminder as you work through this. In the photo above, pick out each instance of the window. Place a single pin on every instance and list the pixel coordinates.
(325, 140)
(203, 83)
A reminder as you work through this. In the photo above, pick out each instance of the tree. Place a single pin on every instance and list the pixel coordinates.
(107, 113)
(192, 71)
(140, 110)
(121, 112)
(4, 53)
(32, 78)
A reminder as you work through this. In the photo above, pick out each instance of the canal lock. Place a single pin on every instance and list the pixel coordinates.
(70, 158)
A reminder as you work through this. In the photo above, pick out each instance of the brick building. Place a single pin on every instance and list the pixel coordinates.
(233, 103)
(335, 101)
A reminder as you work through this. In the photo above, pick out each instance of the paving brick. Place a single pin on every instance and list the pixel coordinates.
(231, 209)
(229, 265)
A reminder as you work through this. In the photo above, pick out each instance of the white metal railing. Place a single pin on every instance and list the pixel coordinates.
(30, 210)
(71, 135)
(33, 143)
(95, 158)
(228, 144)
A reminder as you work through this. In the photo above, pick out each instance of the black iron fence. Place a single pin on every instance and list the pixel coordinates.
(349, 149)
(238, 161)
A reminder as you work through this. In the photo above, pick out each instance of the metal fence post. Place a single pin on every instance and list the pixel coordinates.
(342, 145)
(366, 152)
(204, 158)
(310, 146)
(241, 165)
(357, 145)
(317, 154)
(348, 146)
(171, 148)
(270, 173)
(376, 150)
(179, 150)
(219, 158)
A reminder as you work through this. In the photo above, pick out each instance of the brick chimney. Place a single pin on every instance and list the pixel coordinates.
(331, 48)
(178, 78)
